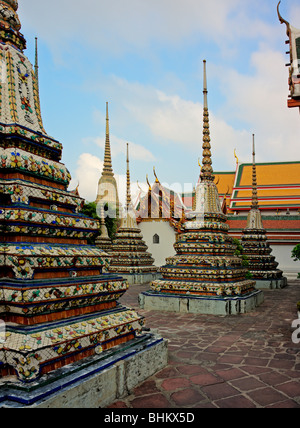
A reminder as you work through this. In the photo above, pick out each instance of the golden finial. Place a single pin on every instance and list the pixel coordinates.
(156, 179)
(147, 179)
(237, 159)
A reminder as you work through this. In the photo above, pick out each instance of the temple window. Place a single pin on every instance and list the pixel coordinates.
(156, 239)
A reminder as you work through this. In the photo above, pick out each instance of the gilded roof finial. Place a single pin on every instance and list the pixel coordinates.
(235, 155)
(147, 179)
(206, 171)
(107, 168)
(254, 179)
(156, 179)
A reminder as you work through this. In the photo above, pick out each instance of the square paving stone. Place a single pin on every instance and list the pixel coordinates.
(205, 379)
(292, 388)
(218, 391)
(237, 402)
(175, 383)
(187, 397)
(153, 401)
(266, 396)
(247, 384)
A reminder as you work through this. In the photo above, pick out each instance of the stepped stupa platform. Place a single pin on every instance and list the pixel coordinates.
(262, 265)
(205, 276)
(62, 326)
(129, 253)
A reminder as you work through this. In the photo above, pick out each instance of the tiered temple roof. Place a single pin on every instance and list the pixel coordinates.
(160, 204)
(57, 300)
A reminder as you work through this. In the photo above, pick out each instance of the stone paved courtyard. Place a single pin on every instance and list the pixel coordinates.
(247, 361)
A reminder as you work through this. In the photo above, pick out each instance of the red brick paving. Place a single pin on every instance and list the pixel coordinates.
(244, 361)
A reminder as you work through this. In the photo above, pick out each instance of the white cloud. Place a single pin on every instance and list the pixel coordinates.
(87, 175)
(118, 146)
(260, 101)
(120, 26)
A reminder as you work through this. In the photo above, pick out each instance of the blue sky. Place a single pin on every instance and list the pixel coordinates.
(145, 57)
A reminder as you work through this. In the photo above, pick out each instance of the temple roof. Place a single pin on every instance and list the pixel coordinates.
(170, 202)
(278, 186)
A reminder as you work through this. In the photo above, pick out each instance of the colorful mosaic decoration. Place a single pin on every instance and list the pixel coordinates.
(205, 263)
(57, 298)
(262, 264)
(129, 251)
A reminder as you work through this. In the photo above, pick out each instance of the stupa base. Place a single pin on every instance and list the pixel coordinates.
(201, 305)
(271, 284)
(94, 382)
(140, 278)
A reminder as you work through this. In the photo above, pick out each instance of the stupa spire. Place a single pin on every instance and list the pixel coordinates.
(36, 62)
(107, 168)
(128, 192)
(207, 170)
(254, 178)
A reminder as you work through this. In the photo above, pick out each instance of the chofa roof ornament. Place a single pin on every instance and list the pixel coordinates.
(294, 64)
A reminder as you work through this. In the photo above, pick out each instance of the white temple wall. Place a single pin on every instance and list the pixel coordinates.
(283, 255)
(163, 246)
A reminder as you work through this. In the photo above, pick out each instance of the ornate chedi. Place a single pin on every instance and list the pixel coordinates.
(205, 275)
(262, 265)
(129, 252)
(107, 187)
(58, 303)
(103, 241)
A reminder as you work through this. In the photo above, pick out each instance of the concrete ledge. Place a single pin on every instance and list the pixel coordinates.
(141, 278)
(271, 284)
(201, 305)
(94, 382)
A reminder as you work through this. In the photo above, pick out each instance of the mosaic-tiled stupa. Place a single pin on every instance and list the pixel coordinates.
(107, 192)
(205, 275)
(129, 253)
(59, 309)
(262, 264)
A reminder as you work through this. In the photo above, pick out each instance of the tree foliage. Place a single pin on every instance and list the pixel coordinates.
(296, 253)
(239, 252)
(90, 209)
